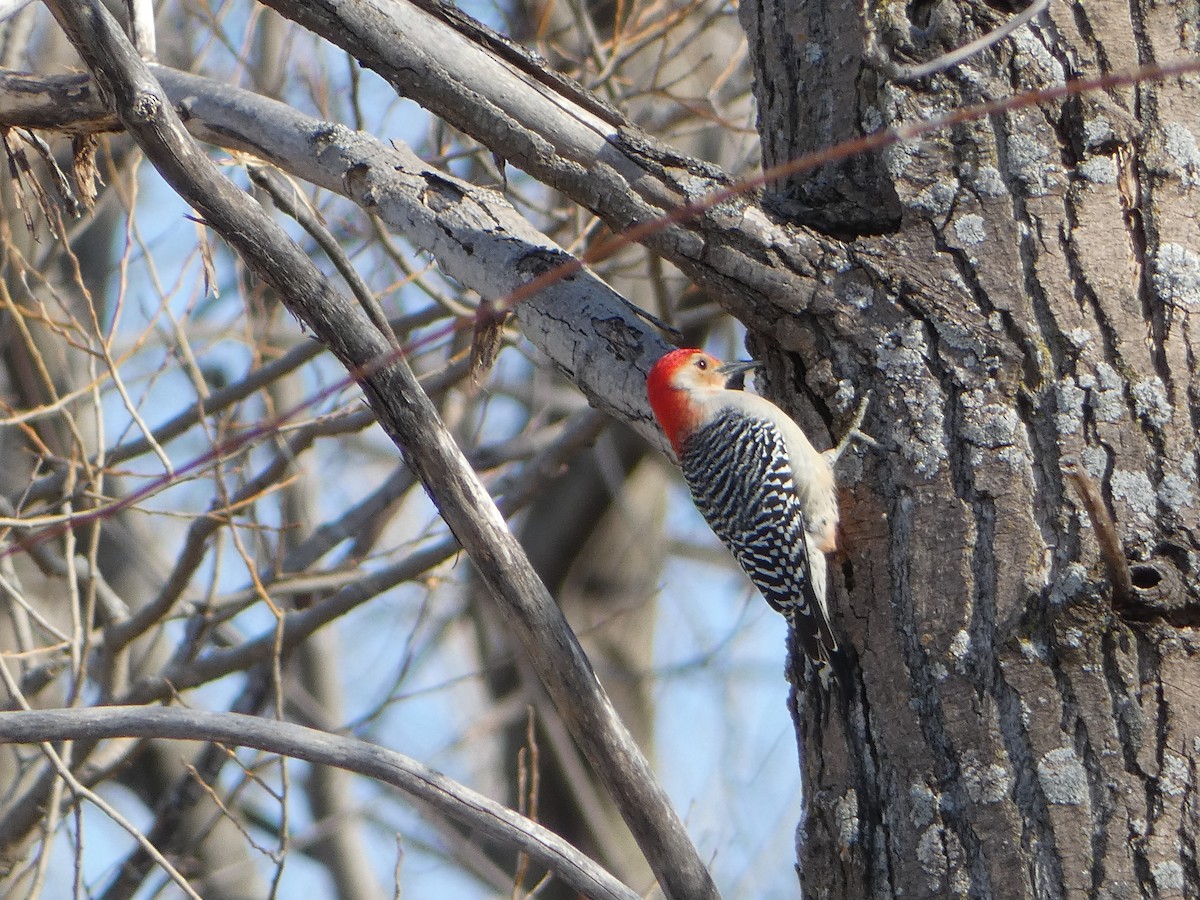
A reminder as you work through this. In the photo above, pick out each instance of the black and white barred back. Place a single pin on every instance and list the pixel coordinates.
(739, 473)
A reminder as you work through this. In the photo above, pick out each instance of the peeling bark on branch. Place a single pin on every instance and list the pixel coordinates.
(588, 331)
(759, 270)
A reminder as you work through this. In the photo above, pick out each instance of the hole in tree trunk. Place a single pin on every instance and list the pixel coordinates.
(1145, 577)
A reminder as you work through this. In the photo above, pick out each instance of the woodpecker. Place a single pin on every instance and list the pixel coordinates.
(759, 483)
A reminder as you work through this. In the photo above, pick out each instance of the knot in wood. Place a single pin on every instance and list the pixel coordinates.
(146, 106)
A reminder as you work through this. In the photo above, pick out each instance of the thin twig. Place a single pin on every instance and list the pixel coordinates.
(290, 201)
(898, 72)
(80, 790)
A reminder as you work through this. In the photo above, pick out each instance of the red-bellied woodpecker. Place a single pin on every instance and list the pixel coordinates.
(759, 483)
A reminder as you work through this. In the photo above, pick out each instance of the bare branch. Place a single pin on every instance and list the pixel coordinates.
(52, 485)
(286, 739)
(285, 197)
(563, 135)
(475, 234)
(141, 27)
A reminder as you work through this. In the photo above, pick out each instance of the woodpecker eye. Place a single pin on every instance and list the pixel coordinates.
(702, 363)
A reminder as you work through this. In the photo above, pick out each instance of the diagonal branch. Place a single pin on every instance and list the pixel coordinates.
(589, 331)
(412, 422)
(504, 97)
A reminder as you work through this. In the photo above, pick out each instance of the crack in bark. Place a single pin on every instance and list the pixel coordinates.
(924, 702)
(1028, 796)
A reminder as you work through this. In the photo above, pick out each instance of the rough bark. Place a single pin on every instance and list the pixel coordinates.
(1019, 729)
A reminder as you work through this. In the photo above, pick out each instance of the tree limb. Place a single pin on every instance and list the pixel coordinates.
(589, 331)
(286, 739)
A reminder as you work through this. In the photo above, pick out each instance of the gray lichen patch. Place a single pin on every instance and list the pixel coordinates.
(1150, 401)
(856, 294)
(1177, 493)
(1180, 145)
(897, 158)
(1176, 275)
(1168, 876)
(960, 649)
(1106, 399)
(1063, 778)
(995, 427)
(937, 199)
(985, 782)
(1095, 461)
(1068, 406)
(1097, 132)
(1136, 493)
(1098, 170)
(902, 357)
(1029, 162)
(941, 855)
(969, 229)
(846, 815)
(1078, 337)
(991, 425)
(988, 182)
(931, 852)
(1174, 778)
(1033, 55)
(923, 804)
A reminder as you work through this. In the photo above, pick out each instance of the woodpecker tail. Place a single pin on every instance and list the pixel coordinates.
(829, 664)
(808, 613)
(833, 677)
(834, 672)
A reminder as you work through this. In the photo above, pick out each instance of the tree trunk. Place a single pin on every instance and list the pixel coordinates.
(1020, 726)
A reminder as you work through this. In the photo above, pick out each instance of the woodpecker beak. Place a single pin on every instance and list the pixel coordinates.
(735, 373)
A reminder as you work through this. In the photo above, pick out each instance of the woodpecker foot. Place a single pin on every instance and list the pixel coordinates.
(854, 434)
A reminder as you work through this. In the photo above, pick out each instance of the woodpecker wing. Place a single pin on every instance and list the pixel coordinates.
(740, 475)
